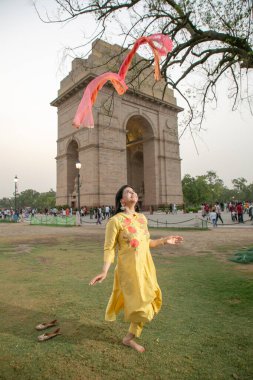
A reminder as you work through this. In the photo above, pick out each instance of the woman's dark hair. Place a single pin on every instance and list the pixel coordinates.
(118, 197)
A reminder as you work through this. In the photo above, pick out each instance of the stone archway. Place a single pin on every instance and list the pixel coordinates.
(135, 170)
(72, 157)
(140, 151)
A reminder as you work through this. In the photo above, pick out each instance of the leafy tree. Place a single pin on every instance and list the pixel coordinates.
(189, 190)
(46, 200)
(212, 40)
(248, 195)
(195, 190)
(27, 198)
(210, 188)
(241, 189)
(31, 198)
(226, 195)
(7, 202)
(216, 186)
(239, 183)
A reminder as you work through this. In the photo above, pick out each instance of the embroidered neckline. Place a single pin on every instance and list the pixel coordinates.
(133, 214)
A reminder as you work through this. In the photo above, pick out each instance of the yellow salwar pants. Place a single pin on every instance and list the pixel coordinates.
(136, 328)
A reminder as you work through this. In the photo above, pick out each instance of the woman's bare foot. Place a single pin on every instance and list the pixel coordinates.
(128, 341)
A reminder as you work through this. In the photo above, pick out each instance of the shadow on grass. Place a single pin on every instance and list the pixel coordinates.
(21, 322)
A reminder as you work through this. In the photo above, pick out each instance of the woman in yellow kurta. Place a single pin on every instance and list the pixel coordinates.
(135, 288)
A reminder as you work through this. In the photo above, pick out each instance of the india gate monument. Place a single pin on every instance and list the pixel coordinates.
(134, 141)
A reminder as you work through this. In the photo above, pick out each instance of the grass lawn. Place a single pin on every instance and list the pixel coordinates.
(204, 330)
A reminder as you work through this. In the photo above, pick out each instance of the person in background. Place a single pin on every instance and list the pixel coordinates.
(107, 212)
(203, 212)
(251, 211)
(207, 209)
(239, 209)
(218, 212)
(99, 215)
(213, 217)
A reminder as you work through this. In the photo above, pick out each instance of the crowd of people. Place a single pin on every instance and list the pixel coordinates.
(98, 213)
(6, 213)
(211, 212)
(101, 213)
(236, 209)
(10, 213)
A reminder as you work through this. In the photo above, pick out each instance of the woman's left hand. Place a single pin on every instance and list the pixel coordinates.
(173, 239)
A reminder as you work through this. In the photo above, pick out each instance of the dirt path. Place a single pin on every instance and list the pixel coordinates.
(219, 242)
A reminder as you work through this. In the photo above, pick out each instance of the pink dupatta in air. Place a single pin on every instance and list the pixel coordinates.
(84, 114)
(160, 45)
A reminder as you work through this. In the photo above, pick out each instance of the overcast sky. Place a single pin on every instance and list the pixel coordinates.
(31, 69)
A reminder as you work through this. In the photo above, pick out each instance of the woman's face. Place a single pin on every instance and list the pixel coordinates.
(129, 196)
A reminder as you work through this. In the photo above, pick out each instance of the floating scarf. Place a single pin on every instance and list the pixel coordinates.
(160, 45)
(84, 112)
(164, 46)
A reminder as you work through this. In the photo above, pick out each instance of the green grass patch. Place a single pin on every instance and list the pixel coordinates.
(53, 225)
(204, 330)
(7, 220)
(245, 256)
(48, 220)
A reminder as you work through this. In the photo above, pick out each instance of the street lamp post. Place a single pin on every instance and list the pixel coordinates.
(78, 167)
(15, 193)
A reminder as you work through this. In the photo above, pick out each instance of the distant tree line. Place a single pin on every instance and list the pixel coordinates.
(30, 198)
(210, 188)
(196, 190)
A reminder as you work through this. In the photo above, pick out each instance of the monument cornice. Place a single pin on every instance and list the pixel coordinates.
(90, 146)
(169, 158)
(85, 80)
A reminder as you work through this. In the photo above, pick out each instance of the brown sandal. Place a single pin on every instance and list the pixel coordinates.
(47, 336)
(43, 326)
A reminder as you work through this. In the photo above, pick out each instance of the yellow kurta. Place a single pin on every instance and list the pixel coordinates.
(135, 287)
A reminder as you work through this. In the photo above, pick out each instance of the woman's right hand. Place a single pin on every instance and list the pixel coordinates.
(98, 279)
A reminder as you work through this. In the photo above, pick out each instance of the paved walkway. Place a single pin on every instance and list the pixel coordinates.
(183, 220)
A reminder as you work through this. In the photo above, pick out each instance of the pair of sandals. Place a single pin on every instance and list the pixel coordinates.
(46, 336)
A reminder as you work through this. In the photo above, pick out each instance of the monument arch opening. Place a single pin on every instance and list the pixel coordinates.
(140, 168)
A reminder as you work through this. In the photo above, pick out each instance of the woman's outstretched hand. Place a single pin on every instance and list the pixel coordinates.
(98, 279)
(102, 276)
(173, 239)
(165, 240)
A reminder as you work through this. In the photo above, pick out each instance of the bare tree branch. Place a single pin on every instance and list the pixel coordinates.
(212, 38)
